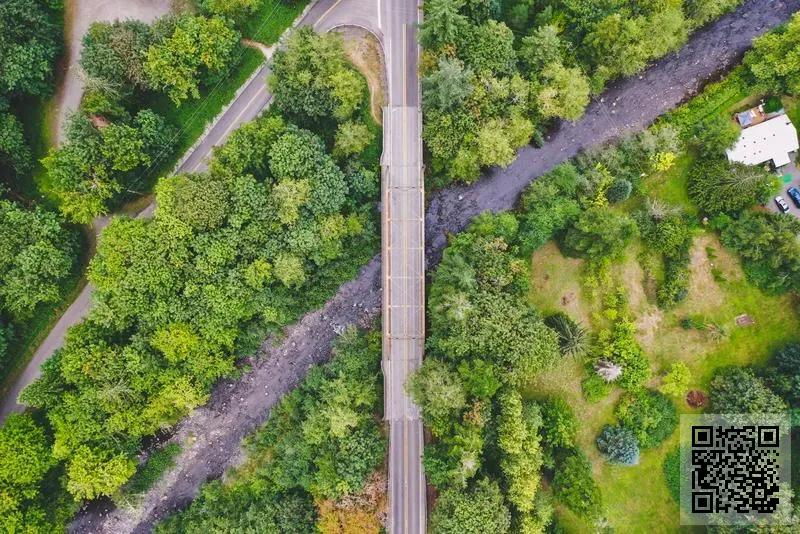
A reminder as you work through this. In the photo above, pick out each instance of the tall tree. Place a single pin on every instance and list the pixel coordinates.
(199, 48)
(30, 44)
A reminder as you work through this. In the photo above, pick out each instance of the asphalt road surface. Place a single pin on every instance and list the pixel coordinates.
(403, 260)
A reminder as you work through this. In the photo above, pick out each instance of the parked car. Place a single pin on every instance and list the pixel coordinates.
(794, 194)
(782, 205)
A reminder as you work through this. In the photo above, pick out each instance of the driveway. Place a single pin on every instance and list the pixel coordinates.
(790, 169)
(80, 14)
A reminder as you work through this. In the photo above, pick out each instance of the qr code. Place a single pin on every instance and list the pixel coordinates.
(734, 470)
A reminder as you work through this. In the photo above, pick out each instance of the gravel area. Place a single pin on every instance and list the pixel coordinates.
(212, 435)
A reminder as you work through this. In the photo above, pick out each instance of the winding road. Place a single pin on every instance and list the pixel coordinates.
(212, 434)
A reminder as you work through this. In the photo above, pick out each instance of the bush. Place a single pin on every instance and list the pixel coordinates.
(575, 488)
(619, 346)
(600, 233)
(559, 424)
(619, 445)
(619, 190)
(573, 339)
(672, 472)
(773, 104)
(649, 415)
(676, 382)
(594, 387)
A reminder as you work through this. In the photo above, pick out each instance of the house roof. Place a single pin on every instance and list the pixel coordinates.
(770, 140)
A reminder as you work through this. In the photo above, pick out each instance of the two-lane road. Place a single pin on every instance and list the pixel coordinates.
(403, 264)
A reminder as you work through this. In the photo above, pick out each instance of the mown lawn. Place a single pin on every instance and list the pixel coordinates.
(636, 498)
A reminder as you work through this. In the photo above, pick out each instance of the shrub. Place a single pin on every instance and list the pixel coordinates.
(676, 382)
(600, 233)
(672, 472)
(595, 388)
(619, 190)
(573, 339)
(559, 424)
(619, 345)
(696, 398)
(618, 444)
(649, 415)
(575, 488)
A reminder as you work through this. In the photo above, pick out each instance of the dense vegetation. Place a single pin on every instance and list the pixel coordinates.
(497, 74)
(38, 260)
(115, 143)
(315, 461)
(270, 231)
(491, 443)
(31, 31)
(38, 253)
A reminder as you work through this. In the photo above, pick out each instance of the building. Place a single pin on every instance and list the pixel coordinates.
(770, 140)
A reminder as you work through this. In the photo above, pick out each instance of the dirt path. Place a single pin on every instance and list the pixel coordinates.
(79, 15)
(212, 434)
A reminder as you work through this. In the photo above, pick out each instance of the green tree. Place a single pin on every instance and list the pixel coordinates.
(574, 486)
(15, 155)
(702, 11)
(31, 42)
(676, 382)
(95, 473)
(650, 415)
(24, 453)
(735, 390)
(618, 444)
(564, 92)
(772, 61)
(560, 426)
(619, 346)
(600, 233)
(439, 392)
(767, 243)
(237, 10)
(542, 47)
(720, 186)
(312, 80)
(115, 53)
(479, 510)
(37, 257)
(448, 86)
(351, 139)
(489, 48)
(442, 23)
(123, 147)
(573, 339)
(199, 47)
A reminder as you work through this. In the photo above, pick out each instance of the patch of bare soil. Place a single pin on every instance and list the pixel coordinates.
(365, 52)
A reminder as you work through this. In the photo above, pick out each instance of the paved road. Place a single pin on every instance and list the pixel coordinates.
(253, 98)
(403, 260)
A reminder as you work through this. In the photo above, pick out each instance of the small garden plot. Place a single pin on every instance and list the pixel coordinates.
(700, 331)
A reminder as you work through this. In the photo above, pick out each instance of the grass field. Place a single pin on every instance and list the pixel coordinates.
(636, 498)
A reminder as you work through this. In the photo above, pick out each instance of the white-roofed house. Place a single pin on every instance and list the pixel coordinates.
(770, 140)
